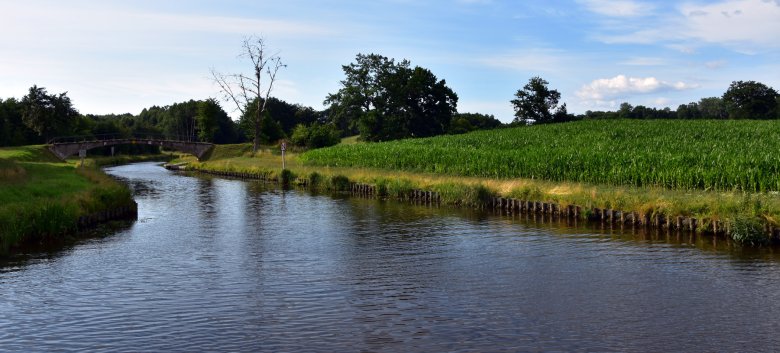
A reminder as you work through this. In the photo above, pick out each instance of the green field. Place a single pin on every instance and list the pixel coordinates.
(675, 154)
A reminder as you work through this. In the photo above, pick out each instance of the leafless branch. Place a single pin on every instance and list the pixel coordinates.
(242, 90)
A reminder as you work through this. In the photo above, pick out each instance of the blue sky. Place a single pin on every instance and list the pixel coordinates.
(123, 56)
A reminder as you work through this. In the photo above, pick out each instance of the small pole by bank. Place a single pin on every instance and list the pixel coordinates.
(284, 148)
(82, 155)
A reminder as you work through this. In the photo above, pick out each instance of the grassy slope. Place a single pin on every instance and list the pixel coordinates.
(41, 197)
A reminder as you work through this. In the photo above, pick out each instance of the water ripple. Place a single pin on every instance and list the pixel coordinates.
(225, 265)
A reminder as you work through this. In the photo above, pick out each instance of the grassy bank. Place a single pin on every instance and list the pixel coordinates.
(711, 170)
(42, 199)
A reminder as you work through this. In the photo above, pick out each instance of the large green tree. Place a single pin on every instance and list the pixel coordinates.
(13, 131)
(750, 100)
(206, 117)
(535, 103)
(47, 114)
(385, 100)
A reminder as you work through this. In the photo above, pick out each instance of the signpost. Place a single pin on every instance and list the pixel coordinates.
(284, 148)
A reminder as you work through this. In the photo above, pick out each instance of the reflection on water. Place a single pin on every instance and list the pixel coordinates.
(226, 265)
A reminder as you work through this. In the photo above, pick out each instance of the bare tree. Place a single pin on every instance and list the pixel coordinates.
(242, 89)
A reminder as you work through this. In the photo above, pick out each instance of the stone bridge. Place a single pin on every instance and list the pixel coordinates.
(66, 147)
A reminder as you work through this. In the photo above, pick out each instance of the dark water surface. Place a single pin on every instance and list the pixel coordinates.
(226, 265)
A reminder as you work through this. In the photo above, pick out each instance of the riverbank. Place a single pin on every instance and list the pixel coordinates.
(749, 217)
(45, 200)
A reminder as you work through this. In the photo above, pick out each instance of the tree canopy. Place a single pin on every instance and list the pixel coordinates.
(536, 104)
(750, 100)
(386, 100)
(47, 114)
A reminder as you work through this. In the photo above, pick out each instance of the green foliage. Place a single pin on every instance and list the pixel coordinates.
(339, 183)
(464, 194)
(712, 108)
(385, 100)
(206, 119)
(13, 131)
(749, 231)
(698, 154)
(750, 100)
(287, 177)
(315, 180)
(315, 136)
(41, 201)
(47, 114)
(467, 122)
(270, 129)
(536, 104)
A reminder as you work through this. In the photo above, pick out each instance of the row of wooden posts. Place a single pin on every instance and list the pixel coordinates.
(422, 196)
(603, 215)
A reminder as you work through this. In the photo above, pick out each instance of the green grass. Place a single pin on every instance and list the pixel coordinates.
(351, 140)
(721, 155)
(36, 153)
(42, 198)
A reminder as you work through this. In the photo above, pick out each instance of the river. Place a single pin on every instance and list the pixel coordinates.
(224, 265)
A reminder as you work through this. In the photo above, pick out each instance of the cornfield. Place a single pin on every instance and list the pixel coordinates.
(678, 154)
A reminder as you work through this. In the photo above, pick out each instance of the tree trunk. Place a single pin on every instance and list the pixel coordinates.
(258, 116)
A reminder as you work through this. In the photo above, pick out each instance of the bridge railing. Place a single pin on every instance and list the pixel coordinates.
(111, 137)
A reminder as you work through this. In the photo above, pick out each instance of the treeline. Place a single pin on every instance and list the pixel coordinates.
(39, 117)
(537, 104)
(742, 100)
(380, 99)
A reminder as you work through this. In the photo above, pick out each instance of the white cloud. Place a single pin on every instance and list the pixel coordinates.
(618, 8)
(621, 86)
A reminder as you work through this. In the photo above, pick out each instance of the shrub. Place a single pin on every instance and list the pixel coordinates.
(748, 231)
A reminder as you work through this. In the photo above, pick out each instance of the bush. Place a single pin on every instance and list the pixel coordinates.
(315, 136)
(749, 231)
(339, 183)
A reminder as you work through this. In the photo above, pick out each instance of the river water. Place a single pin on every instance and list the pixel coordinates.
(227, 265)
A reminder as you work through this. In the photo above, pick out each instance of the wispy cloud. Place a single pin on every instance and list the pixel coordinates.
(618, 8)
(746, 26)
(538, 60)
(623, 86)
(716, 64)
(645, 61)
(734, 23)
(69, 23)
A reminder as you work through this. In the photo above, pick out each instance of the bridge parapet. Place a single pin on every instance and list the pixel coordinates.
(68, 146)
